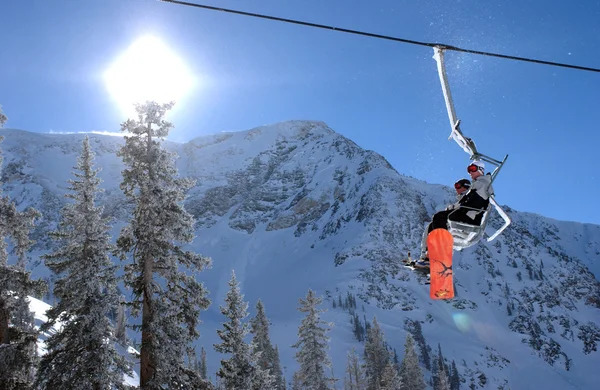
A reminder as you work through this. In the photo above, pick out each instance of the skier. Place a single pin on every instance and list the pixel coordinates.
(468, 209)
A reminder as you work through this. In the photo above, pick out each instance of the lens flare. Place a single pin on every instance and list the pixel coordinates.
(462, 322)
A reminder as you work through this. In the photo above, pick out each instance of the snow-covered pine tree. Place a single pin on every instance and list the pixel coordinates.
(296, 385)
(162, 276)
(355, 374)
(268, 357)
(261, 342)
(81, 352)
(240, 371)
(17, 335)
(3, 117)
(454, 377)
(443, 383)
(312, 345)
(278, 371)
(414, 327)
(203, 368)
(377, 355)
(410, 371)
(391, 379)
(440, 370)
(121, 323)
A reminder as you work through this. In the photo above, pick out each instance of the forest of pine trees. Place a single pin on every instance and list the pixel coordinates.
(90, 319)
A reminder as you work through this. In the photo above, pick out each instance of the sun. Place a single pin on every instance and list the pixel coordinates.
(148, 70)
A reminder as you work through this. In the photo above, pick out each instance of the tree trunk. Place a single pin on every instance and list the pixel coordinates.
(147, 363)
(4, 315)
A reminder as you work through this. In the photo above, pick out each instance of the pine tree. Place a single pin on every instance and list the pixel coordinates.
(296, 382)
(241, 371)
(79, 355)
(376, 355)
(121, 323)
(440, 371)
(268, 357)
(3, 117)
(410, 372)
(312, 345)
(17, 334)
(261, 341)
(203, 367)
(278, 372)
(454, 377)
(390, 379)
(162, 276)
(355, 375)
(358, 328)
(414, 327)
(443, 382)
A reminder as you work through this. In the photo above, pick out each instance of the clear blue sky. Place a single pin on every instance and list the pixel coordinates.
(385, 96)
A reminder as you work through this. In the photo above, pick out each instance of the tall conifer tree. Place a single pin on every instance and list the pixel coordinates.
(81, 353)
(410, 371)
(162, 276)
(268, 357)
(312, 345)
(17, 334)
(377, 355)
(355, 374)
(241, 370)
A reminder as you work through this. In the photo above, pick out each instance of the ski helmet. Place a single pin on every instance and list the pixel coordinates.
(464, 183)
(479, 164)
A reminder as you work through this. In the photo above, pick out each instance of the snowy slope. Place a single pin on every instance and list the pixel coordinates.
(295, 205)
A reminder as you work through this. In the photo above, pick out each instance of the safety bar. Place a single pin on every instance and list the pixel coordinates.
(504, 216)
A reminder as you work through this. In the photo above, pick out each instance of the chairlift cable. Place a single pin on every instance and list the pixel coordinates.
(380, 36)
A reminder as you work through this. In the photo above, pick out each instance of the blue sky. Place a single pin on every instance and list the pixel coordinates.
(385, 96)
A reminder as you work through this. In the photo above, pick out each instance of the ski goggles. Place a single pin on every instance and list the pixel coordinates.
(472, 168)
(458, 186)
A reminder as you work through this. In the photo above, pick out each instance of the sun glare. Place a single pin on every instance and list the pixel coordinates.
(148, 70)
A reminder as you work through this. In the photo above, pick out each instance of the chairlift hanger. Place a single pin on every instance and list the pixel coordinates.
(464, 234)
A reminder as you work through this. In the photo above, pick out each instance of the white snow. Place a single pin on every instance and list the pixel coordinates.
(278, 267)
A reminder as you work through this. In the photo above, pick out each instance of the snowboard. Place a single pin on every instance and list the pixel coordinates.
(439, 246)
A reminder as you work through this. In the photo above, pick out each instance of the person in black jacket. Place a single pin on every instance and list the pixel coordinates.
(470, 207)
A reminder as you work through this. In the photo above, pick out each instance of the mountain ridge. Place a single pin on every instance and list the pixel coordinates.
(298, 205)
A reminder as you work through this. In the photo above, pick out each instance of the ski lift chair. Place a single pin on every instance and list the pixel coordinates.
(466, 235)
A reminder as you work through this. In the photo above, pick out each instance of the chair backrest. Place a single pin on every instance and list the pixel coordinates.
(466, 235)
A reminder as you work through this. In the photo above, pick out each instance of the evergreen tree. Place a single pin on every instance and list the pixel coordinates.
(312, 345)
(241, 371)
(443, 382)
(376, 355)
(355, 375)
(268, 357)
(296, 384)
(120, 326)
(454, 377)
(259, 327)
(162, 276)
(17, 334)
(390, 379)
(358, 328)
(410, 372)
(203, 368)
(440, 371)
(414, 327)
(3, 117)
(81, 352)
(278, 372)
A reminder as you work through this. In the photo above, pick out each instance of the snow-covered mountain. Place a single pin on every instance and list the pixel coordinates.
(295, 205)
